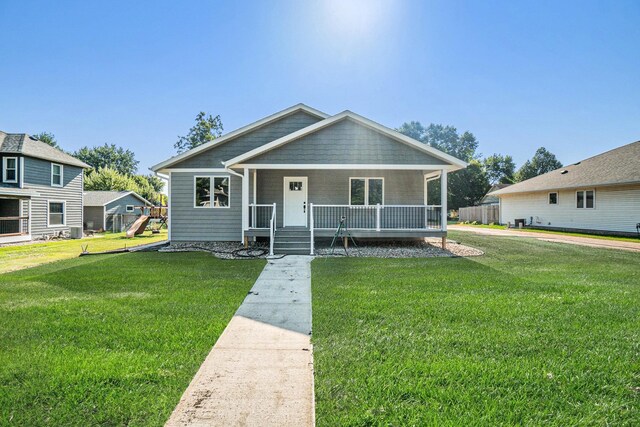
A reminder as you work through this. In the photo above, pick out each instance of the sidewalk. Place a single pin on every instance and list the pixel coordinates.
(260, 371)
(552, 237)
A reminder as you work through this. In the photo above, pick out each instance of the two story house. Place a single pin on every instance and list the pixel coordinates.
(40, 189)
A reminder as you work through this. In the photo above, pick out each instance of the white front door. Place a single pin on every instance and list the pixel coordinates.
(295, 201)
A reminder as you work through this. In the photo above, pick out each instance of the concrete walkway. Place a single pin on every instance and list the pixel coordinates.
(260, 371)
(553, 237)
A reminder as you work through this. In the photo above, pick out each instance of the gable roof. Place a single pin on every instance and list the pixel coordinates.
(453, 161)
(489, 198)
(618, 166)
(22, 143)
(102, 198)
(238, 132)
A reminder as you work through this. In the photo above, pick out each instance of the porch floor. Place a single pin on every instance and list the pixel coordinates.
(356, 233)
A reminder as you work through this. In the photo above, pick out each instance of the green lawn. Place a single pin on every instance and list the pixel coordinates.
(532, 333)
(562, 233)
(113, 339)
(16, 257)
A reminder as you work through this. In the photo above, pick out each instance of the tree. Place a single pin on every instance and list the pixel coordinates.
(543, 161)
(108, 179)
(500, 169)
(466, 187)
(109, 156)
(47, 138)
(206, 129)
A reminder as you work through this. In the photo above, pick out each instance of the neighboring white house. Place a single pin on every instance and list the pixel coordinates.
(599, 194)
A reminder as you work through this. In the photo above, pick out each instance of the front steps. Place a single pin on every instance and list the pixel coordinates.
(292, 241)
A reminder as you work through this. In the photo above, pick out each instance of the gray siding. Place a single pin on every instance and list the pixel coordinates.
(346, 142)
(189, 223)
(331, 187)
(37, 176)
(212, 158)
(94, 218)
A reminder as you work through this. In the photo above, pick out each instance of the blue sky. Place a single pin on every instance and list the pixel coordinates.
(519, 75)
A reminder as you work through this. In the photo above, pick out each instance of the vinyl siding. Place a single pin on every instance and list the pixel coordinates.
(37, 176)
(346, 142)
(331, 187)
(189, 223)
(214, 157)
(616, 209)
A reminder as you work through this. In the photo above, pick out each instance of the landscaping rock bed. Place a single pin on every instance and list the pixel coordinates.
(418, 249)
(222, 250)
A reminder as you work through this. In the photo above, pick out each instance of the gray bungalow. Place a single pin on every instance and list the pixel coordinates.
(40, 189)
(293, 175)
(112, 210)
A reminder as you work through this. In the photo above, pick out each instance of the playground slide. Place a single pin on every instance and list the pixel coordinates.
(138, 227)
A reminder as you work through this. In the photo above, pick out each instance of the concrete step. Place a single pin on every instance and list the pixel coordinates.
(291, 251)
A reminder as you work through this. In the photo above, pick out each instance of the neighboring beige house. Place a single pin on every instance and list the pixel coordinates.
(599, 194)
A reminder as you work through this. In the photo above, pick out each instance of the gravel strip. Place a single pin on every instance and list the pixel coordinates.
(421, 249)
(222, 250)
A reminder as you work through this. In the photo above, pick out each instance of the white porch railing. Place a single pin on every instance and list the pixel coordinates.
(377, 217)
(272, 228)
(260, 215)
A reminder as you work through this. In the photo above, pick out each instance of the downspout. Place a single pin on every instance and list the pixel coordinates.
(228, 169)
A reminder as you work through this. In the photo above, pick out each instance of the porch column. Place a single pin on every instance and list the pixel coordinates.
(245, 203)
(443, 198)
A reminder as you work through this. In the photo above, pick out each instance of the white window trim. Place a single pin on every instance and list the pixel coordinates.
(195, 177)
(133, 208)
(4, 170)
(61, 175)
(366, 189)
(557, 198)
(585, 198)
(64, 213)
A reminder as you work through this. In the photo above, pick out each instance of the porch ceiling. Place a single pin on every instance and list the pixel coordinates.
(20, 193)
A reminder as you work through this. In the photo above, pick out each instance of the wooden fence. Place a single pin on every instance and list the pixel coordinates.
(485, 214)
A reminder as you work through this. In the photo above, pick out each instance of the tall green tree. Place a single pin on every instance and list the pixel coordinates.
(47, 138)
(109, 156)
(465, 187)
(500, 169)
(108, 179)
(207, 128)
(543, 161)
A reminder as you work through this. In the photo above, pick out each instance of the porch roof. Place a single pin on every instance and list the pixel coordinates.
(17, 192)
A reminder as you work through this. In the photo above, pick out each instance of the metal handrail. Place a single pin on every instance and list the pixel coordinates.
(272, 229)
(312, 226)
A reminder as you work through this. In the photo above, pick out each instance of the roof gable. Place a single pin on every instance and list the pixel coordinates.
(258, 133)
(347, 138)
(102, 198)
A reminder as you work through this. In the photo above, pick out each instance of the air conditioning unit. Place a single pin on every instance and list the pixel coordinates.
(76, 232)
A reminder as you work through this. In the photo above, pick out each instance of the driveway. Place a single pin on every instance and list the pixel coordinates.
(552, 237)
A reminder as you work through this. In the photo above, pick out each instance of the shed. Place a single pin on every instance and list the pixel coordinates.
(112, 210)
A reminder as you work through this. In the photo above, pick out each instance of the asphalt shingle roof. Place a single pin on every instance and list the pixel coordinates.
(101, 198)
(618, 166)
(21, 143)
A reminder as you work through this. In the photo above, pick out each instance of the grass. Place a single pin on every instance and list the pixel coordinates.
(532, 333)
(16, 257)
(590, 236)
(113, 339)
(562, 233)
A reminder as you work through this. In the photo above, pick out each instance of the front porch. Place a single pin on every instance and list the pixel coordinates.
(300, 208)
(15, 225)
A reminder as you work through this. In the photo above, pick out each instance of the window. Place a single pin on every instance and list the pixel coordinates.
(56, 214)
(56, 175)
(211, 192)
(10, 169)
(585, 199)
(553, 198)
(295, 186)
(130, 208)
(366, 191)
